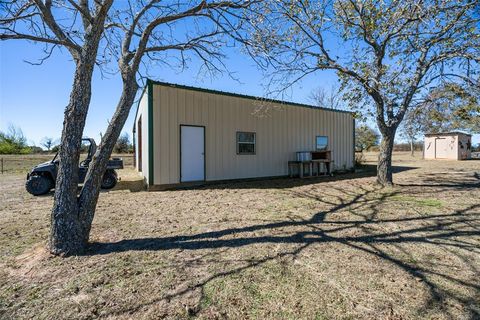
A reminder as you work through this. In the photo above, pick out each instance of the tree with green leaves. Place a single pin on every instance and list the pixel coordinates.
(387, 54)
(13, 141)
(365, 138)
(448, 107)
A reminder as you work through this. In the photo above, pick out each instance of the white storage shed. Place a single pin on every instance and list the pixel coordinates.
(448, 145)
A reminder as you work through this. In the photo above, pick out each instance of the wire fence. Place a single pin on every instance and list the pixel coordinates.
(16, 164)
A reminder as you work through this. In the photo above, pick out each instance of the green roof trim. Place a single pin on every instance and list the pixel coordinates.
(150, 131)
(237, 95)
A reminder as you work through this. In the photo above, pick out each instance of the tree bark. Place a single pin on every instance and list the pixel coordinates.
(72, 216)
(67, 235)
(66, 232)
(384, 167)
(90, 191)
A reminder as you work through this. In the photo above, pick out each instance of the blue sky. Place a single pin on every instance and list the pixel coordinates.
(34, 97)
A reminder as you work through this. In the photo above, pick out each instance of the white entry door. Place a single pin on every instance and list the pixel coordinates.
(441, 148)
(192, 153)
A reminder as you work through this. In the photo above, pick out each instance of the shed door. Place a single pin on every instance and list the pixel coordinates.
(441, 145)
(192, 153)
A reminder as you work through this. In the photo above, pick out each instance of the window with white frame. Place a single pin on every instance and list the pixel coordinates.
(246, 142)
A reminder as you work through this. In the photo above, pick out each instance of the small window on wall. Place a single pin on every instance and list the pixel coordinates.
(246, 143)
(321, 143)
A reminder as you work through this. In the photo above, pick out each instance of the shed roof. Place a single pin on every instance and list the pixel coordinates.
(452, 133)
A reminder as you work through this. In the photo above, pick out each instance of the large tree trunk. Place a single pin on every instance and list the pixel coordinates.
(384, 167)
(66, 232)
(91, 188)
(72, 223)
(67, 235)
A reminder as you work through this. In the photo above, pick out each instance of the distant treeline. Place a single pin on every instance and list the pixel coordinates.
(417, 146)
(13, 141)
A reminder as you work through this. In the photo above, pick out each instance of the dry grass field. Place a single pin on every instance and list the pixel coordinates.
(15, 164)
(336, 248)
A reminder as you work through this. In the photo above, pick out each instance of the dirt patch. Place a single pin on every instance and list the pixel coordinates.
(28, 262)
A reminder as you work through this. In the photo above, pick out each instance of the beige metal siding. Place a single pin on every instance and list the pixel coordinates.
(281, 130)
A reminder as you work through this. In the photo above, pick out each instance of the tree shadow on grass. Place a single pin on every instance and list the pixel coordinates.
(447, 182)
(283, 182)
(454, 233)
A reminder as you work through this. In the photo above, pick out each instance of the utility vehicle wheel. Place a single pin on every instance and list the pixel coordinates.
(38, 185)
(109, 180)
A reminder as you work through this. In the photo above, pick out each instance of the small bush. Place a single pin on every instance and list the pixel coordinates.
(13, 142)
(123, 144)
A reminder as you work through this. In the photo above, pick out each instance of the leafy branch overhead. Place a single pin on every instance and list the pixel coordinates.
(448, 107)
(387, 54)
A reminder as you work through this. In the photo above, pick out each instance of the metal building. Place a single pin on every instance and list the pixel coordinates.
(185, 134)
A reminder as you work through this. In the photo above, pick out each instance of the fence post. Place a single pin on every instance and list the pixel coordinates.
(2, 165)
